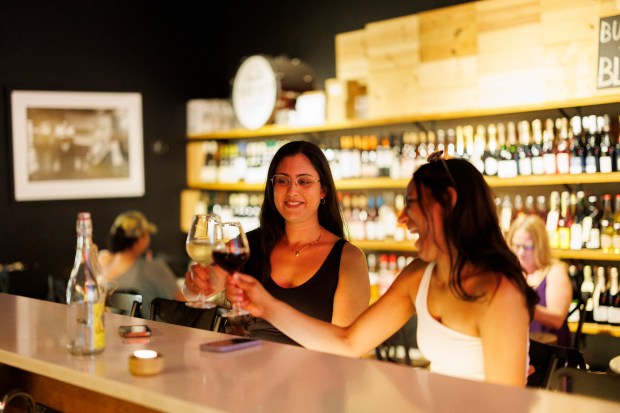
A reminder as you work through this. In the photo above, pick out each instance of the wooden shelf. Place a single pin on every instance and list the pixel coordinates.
(401, 184)
(594, 328)
(279, 130)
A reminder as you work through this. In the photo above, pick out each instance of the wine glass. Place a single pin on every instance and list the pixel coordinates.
(230, 253)
(201, 239)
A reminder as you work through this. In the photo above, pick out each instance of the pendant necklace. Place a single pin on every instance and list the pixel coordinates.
(297, 252)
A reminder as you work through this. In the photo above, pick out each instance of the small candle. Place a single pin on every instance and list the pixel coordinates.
(146, 363)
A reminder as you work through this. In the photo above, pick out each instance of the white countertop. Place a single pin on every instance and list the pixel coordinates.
(269, 378)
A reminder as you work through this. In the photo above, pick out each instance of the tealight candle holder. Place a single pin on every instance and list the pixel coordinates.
(146, 363)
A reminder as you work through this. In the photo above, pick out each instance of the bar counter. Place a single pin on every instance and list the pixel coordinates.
(268, 378)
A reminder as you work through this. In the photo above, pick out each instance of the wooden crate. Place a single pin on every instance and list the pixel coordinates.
(351, 57)
(393, 93)
(340, 99)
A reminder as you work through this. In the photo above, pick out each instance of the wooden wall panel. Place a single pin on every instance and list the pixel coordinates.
(351, 57)
(448, 32)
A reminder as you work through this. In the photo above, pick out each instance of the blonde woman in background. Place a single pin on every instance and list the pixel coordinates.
(548, 276)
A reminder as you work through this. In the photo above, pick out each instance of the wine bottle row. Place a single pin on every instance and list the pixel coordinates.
(601, 295)
(582, 144)
(574, 221)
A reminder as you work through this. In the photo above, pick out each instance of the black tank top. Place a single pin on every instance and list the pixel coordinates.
(315, 297)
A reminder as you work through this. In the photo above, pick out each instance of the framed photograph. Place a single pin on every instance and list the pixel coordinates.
(77, 145)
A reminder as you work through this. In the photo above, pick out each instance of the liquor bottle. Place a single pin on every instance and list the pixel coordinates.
(607, 150)
(563, 146)
(538, 165)
(592, 224)
(617, 155)
(591, 150)
(85, 294)
(549, 155)
(576, 229)
(573, 274)
(491, 154)
(541, 207)
(408, 155)
(565, 221)
(553, 217)
(530, 207)
(451, 143)
(607, 225)
(576, 151)
(524, 152)
(479, 143)
(507, 166)
(505, 218)
(615, 239)
(600, 297)
(468, 133)
(613, 310)
(518, 207)
(441, 142)
(587, 289)
(460, 143)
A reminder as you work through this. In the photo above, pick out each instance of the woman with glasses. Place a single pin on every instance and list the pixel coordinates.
(299, 253)
(473, 304)
(549, 277)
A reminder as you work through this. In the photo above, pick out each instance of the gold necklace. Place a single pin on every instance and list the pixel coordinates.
(297, 252)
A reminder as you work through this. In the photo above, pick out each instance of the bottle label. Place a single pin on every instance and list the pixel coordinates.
(538, 165)
(525, 166)
(575, 165)
(606, 241)
(615, 242)
(613, 315)
(595, 239)
(576, 241)
(564, 238)
(590, 164)
(605, 164)
(550, 163)
(490, 166)
(563, 163)
(507, 168)
(600, 314)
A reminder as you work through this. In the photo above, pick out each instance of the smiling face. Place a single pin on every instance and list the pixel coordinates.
(294, 202)
(430, 240)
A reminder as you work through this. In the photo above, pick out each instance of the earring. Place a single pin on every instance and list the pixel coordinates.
(323, 201)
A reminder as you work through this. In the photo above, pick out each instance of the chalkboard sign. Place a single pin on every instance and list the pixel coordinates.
(609, 53)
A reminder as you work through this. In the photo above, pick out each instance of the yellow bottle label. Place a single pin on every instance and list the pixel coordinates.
(99, 326)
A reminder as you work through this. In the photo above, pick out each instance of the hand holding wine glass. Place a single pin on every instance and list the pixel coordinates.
(201, 239)
(230, 253)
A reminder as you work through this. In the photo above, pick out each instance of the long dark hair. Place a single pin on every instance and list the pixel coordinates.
(472, 225)
(272, 223)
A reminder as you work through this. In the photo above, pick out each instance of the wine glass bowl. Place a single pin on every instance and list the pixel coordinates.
(201, 239)
(230, 252)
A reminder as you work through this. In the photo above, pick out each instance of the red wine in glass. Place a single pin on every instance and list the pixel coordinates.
(230, 261)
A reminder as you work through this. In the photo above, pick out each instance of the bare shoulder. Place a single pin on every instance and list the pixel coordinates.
(412, 272)
(506, 293)
(352, 253)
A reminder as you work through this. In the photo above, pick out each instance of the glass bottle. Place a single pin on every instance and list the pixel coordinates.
(592, 224)
(565, 221)
(85, 295)
(607, 225)
(538, 165)
(524, 152)
(553, 217)
(600, 297)
(615, 238)
(591, 151)
(576, 151)
(491, 154)
(578, 211)
(613, 310)
(549, 152)
(607, 150)
(587, 289)
(563, 146)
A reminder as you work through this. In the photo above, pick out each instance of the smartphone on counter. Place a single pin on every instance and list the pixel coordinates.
(134, 331)
(229, 344)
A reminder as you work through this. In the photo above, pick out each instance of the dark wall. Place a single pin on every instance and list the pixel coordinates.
(169, 52)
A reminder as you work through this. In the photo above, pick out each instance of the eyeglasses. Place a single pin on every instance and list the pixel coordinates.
(526, 248)
(303, 181)
(438, 156)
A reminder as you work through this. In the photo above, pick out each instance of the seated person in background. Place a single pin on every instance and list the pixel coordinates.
(528, 239)
(299, 253)
(126, 265)
(467, 288)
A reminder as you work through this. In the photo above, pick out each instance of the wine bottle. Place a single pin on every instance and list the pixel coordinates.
(576, 155)
(615, 238)
(524, 152)
(563, 146)
(590, 141)
(587, 289)
(553, 217)
(491, 154)
(565, 221)
(592, 224)
(549, 155)
(573, 274)
(613, 310)
(576, 229)
(607, 225)
(538, 164)
(600, 297)
(607, 150)
(85, 295)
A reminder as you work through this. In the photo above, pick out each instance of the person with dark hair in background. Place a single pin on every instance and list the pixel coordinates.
(125, 263)
(299, 253)
(528, 239)
(467, 288)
